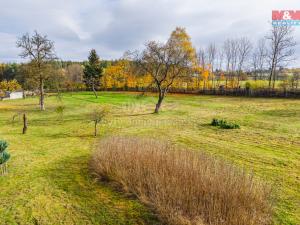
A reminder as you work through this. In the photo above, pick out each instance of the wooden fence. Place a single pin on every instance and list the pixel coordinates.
(276, 93)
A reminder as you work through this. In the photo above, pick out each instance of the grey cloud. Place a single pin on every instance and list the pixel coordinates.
(113, 26)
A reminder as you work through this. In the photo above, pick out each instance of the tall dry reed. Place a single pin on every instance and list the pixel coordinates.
(184, 187)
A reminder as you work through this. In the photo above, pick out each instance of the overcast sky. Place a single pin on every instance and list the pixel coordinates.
(114, 26)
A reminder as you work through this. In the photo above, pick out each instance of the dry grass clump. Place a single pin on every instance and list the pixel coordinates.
(184, 187)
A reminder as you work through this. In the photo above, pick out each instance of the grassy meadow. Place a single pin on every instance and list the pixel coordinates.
(49, 180)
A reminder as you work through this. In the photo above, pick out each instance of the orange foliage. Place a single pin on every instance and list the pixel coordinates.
(120, 76)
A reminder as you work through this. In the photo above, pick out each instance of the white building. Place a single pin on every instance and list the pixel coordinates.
(13, 95)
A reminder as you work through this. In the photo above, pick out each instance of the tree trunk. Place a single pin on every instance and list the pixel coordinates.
(42, 104)
(24, 123)
(272, 74)
(158, 104)
(96, 131)
(274, 79)
(270, 77)
(94, 90)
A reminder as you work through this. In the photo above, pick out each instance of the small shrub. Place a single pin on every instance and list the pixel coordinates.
(248, 85)
(4, 157)
(3, 145)
(59, 96)
(258, 84)
(97, 116)
(215, 122)
(60, 111)
(2, 94)
(184, 187)
(224, 124)
(228, 125)
(141, 95)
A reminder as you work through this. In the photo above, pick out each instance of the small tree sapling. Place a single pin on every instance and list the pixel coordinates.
(97, 116)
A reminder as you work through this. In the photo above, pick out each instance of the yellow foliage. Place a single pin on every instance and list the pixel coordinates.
(11, 85)
(120, 76)
(180, 37)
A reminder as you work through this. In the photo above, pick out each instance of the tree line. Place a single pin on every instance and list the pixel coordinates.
(173, 64)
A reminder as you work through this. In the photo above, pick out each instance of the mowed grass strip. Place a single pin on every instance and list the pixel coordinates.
(49, 181)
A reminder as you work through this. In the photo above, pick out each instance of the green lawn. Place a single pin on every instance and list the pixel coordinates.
(49, 181)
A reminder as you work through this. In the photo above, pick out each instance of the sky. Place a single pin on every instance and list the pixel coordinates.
(115, 26)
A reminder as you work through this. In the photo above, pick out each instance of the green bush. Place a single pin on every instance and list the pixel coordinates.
(224, 124)
(3, 146)
(4, 155)
(247, 85)
(141, 95)
(60, 111)
(215, 122)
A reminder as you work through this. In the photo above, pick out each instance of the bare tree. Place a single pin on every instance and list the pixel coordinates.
(219, 63)
(74, 76)
(74, 73)
(295, 79)
(254, 64)
(220, 59)
(280, 50)
(227, 54)
(259, 58)
(234, 55)
(262, 53)
(167, 62)
(211, 55)
(228, 57)
(235, 52)
(202, 61)
(244, 48)
(40, 50)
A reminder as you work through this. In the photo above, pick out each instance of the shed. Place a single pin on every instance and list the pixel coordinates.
(13, 95)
